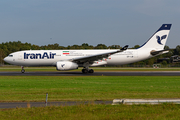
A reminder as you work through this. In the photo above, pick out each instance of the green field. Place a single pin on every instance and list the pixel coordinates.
(89, 88)
(80, 88)
(95, 112)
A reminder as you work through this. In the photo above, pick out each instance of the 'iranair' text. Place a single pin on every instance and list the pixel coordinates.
(39, 55)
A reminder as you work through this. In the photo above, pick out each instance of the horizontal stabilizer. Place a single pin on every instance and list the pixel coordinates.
(153, 52)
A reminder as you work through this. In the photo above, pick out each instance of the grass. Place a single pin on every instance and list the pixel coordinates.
(94, 112)
(80, 88)
(75, 88)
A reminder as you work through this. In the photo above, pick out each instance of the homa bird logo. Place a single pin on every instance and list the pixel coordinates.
(159, 39)
(62, 65)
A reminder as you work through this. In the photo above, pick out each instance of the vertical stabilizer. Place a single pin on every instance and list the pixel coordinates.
(158, 39)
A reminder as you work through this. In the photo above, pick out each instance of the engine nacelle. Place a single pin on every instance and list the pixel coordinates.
(66, 65)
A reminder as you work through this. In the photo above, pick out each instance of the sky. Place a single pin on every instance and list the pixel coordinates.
(70, 22)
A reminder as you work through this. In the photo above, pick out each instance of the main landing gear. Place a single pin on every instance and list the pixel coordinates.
(87, 70)
(22, 71)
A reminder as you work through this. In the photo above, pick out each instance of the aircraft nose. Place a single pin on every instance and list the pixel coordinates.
(6, 59)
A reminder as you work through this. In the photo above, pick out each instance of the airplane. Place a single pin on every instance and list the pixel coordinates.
(72, 59)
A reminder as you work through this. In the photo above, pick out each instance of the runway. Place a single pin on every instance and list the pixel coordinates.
(119, 73)
(43, 104)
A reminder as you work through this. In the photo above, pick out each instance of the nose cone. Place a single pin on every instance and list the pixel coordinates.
(5, 59)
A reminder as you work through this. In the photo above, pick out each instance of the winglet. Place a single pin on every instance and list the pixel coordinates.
(124, 48)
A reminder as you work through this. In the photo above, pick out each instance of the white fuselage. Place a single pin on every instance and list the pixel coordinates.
(51, 57)
(72, 59)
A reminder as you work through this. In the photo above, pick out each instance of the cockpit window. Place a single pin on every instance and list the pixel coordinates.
(10, 55)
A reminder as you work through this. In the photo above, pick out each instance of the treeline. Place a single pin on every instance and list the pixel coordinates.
(9, 47)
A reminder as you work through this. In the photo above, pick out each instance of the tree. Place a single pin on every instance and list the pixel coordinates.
(151, 61)
(85, 45)
(166, 47)
(164, 63)
(136, 46)
(2, 55)
(101, 46)
(177, 50)
(114, 47)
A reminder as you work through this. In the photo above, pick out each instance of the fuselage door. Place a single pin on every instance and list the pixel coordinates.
(20, 56)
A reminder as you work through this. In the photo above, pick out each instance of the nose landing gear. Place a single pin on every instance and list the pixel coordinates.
(22, 71)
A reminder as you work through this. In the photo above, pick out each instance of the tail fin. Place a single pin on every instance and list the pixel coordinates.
(158, 39)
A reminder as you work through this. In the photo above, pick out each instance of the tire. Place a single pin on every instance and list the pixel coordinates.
(91, 71)
(84, 71)
(22, 71)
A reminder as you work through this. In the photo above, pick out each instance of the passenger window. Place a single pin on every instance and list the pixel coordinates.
(10, 55)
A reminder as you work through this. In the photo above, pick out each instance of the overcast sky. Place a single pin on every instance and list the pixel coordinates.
(69, 22)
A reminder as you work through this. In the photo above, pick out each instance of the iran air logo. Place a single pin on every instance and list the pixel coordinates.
(159, 39)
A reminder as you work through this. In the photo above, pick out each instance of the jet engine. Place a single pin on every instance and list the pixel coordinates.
(66, 65)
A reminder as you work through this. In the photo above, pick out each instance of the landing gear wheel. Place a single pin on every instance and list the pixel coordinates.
(91, 71)
(22, 71)
(84, 71)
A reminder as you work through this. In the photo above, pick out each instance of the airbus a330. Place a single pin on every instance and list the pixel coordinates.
(72, 59)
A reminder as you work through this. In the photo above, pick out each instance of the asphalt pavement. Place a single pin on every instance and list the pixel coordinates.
(43, 104)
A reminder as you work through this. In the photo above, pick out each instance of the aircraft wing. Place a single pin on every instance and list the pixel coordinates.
(97, 57)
